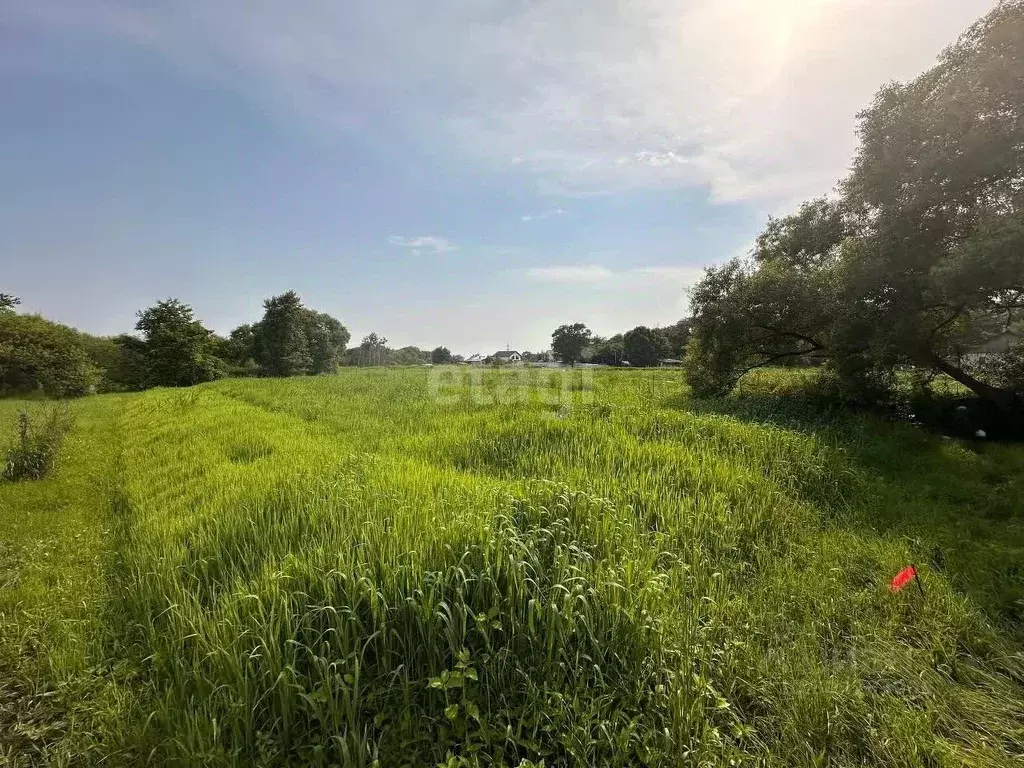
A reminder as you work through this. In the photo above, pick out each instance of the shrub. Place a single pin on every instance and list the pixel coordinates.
(39, 355)
(35, 452)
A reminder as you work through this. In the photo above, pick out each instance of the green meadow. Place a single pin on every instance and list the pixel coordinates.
(423, 567)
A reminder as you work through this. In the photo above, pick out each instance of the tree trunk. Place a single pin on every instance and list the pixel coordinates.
(1006, 401)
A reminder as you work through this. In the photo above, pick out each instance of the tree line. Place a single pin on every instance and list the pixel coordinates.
(171, 349)
(914, 262)
(641, 347)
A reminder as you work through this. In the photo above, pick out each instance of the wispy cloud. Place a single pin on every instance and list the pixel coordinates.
(628, 278)
(526, 217)
(749, 99)
(423, 243)
(582, 273)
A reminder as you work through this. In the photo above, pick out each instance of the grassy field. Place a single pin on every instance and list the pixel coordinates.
(522, 568)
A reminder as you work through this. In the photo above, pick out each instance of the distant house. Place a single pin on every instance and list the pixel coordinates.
(507, 356)
(670, 362)
(476, 359)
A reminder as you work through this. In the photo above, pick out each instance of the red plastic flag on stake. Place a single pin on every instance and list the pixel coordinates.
(901, 579)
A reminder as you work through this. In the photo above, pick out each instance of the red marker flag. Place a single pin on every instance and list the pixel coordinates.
(902, 578)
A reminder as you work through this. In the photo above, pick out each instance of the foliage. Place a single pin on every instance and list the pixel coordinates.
(327, 338)
(408, 356)
(8, 302)
(917, 259)
(37, 446)
(372, 350)
(290, 340)
(128, 370)
(37, 355)
(604, 351)
(177, 349)
(282, 344)
(441, 356)
(643, 347)
(569, 341)
(1004, 370)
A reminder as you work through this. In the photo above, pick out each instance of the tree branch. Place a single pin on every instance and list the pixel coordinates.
(794, 335)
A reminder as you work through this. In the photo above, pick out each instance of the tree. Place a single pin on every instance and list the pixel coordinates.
(407, 356)
(290, 340)
(282, 346)
(8, 302)
(240, 345)
(643, 347)
(128, 370)
(919, 256)
(605, 351)
(178, 349)
(373, 350)
(569, 341)
(39, 355)
(441, 356)
(105, 354)
(327, 339)
(674, 337)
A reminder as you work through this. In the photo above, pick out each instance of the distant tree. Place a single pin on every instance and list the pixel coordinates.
(8, 302)
(178, 349)
(327, 339)
(128, 370)
(241, 345)
(407, 356)
(39, 355)
(290, 340)
(675, 337)
(919, 256)
(282, 341)
(441, 356)
(105, 355)
(569, 341)
(373, 350)
(606, 351)
(643, 346)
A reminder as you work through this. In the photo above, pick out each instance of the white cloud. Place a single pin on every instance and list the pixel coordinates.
(542, 215)
(754, 99)
(429, 243)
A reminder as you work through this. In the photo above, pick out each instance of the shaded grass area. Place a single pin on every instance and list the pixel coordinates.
(959, 505)
(381, 568)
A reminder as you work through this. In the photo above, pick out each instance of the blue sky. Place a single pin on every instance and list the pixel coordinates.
(464, 172)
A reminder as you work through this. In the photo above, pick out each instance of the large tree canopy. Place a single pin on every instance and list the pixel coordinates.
(918, 257)
(441, 356)
(39, 355)
(291, 339)
(644, 346)
(569, 341)
(178, 350)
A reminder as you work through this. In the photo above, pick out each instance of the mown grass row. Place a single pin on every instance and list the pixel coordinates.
(351, 571)
(64, 698)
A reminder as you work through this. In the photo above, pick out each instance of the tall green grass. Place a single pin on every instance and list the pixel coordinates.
(376, 568)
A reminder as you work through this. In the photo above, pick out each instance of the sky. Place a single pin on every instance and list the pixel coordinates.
(466, 173)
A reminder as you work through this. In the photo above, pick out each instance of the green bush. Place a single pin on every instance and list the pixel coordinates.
(39, 355)
(36, 450)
